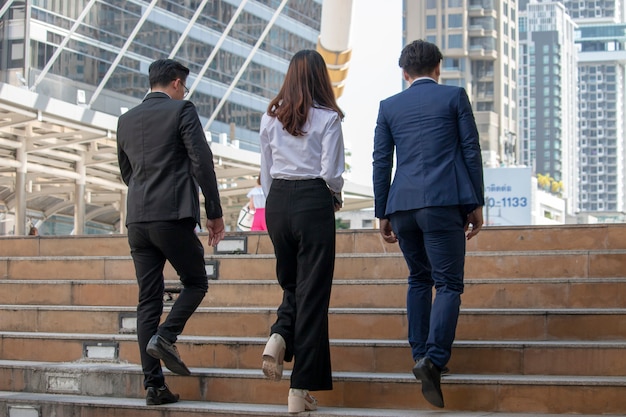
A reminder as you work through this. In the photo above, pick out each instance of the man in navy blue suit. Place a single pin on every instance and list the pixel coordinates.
(436, 194)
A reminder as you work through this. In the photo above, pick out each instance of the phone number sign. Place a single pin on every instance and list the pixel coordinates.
(507, 196)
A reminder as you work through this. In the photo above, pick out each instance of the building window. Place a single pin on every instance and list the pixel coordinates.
(431, 22)
(451, 64)
(455, 21)
(17, 54)
(455, 41)
(431, 4)
(457, 82)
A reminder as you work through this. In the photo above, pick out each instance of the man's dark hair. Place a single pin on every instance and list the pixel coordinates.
(420, 58)
(164, 71)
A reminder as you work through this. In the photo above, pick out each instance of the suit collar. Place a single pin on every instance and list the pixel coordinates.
(156, 94)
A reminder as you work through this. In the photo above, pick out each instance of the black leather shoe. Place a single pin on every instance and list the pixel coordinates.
(430, 375)
(162, 349)
(444, 370)
(158, 396)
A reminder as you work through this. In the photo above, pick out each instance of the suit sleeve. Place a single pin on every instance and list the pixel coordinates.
(122, 159)
(201, 157)
(383, 163)
(470, 146)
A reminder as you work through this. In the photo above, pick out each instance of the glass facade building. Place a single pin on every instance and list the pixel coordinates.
(69, 68)
(96, 53)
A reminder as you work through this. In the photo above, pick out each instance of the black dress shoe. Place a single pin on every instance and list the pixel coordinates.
(158, 396)
(444, 370)
(430, 375)
(160, 348)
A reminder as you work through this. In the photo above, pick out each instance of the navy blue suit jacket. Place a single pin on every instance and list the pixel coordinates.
(432, 128)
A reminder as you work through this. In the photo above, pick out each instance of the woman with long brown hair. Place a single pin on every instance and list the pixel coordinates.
(302, 162)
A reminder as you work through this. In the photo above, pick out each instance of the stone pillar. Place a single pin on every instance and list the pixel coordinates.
(20, 190)
(79, 199)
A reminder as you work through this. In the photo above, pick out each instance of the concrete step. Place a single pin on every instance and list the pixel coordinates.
(360, 355)
(350, 323)
(511, 264)
(533, 238)
(83, 405)
(479, 293)
(487, 393)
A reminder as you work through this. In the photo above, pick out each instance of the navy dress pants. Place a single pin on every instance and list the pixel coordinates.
(301, 223)
(432, 241)
(151, 244)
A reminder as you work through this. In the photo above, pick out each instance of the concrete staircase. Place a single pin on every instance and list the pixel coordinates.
(542, 329)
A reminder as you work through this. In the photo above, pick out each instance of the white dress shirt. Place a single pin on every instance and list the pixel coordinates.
(319, 153)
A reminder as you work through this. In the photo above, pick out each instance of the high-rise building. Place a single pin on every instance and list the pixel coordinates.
(548, 127)
(601, 45)
(596, 11)
(478, 39)
(69, 68)
(602, 113)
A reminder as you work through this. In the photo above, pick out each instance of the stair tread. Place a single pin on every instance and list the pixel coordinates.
(244, 409)
(339, 310)
(339, 281)
(335, 342)
(211, 256)
(486, 379)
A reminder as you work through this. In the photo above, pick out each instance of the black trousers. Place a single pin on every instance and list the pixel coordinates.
(301, 223)
(151, 244)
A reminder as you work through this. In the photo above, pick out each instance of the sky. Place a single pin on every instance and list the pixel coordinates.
(373, 75)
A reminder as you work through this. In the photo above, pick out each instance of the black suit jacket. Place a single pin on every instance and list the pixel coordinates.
(164, 156)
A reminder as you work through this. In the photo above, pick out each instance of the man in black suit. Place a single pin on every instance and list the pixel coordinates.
(163, 156)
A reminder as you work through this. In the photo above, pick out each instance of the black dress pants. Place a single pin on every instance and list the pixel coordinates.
(301, 223)
(151, 244)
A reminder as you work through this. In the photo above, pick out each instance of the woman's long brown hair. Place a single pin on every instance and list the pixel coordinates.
(306, 84)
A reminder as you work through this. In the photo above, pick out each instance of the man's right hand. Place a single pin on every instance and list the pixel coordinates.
(216, 230)
(387, 232)
(475, 218)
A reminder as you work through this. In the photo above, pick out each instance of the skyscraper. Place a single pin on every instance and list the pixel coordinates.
(547, 95)
(602, 113)
(601, 44)
(478, 39)
(596, 11)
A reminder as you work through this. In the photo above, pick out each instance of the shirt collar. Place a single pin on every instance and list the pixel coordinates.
(423, 78)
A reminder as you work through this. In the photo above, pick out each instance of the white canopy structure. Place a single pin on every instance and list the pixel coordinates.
(58, 158)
